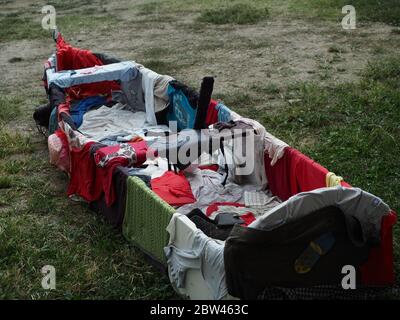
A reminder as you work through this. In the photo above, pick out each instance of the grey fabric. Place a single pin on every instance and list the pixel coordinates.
(126, 72)
(134, 93)
(155, 94)
(244, 155)
(356, 204)
(261, 200)
(207, 189)
(123, 71)
(206, 255)
(184, 147)
(202, 179)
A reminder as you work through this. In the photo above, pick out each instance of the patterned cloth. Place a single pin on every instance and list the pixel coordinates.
(260, 199)
(123, 150)
(131, 153)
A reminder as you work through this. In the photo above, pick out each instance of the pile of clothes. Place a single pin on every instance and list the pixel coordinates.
(249, 230)
(300, 243)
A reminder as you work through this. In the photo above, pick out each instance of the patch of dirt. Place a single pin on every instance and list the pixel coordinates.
(279, 51)
(25, 73)
(297, 50)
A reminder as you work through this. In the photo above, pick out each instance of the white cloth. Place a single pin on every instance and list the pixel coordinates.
(108, 122)
(205, 254)
(148, 79)
(248, 170)
(205, 159)
(155, 168)
(155, 88)
(353, 202)
(259, 198)
(161, 98)
(272, 145)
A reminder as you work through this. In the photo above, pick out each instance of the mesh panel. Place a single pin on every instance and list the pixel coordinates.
(146, 217)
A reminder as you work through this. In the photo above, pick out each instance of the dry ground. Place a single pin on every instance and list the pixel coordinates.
(260, 69)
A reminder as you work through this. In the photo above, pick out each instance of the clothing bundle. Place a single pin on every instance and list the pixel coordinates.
(231, 210)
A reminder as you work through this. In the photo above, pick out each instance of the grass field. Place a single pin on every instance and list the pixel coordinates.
(331, 93)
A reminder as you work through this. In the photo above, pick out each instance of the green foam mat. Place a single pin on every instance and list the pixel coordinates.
(146, 217)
